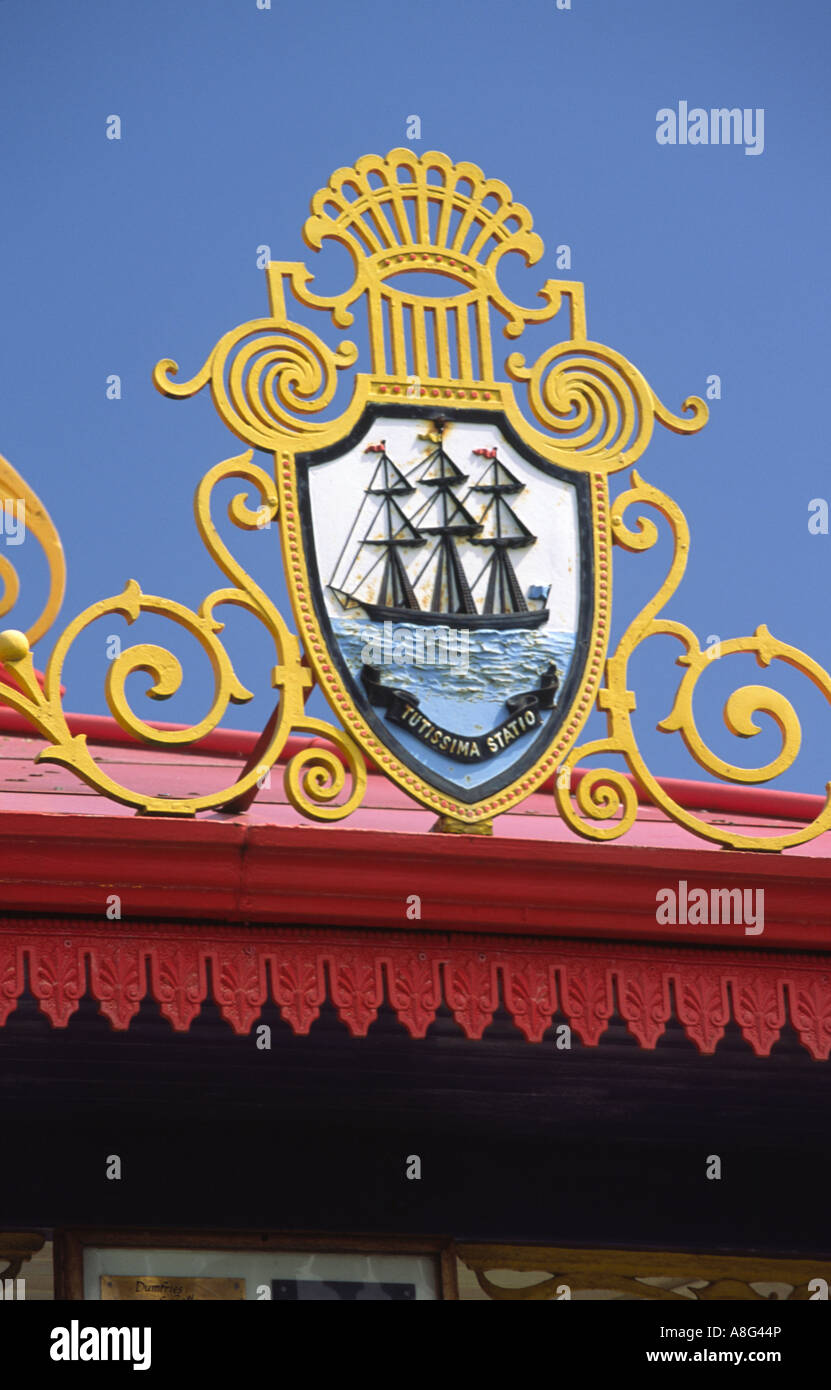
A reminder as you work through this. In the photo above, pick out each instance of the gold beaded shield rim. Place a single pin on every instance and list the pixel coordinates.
(342, 703)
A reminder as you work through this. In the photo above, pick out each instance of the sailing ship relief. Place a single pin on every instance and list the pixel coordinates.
(387, 588)
(448, 570)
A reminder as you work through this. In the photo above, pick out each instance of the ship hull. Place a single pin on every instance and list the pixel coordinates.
(533, 618)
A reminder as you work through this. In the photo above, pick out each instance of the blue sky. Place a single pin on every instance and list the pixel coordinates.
(697, 260)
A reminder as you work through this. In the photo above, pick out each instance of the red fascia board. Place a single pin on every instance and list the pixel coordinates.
(331, 876)
(240, 743)
(415, 973)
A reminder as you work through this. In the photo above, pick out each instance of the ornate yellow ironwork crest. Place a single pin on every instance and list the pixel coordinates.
(446, 530)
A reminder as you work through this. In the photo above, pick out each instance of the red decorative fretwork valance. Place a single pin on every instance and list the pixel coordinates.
(582, 984)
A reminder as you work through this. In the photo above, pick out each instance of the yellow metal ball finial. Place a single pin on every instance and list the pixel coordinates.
(14, 645)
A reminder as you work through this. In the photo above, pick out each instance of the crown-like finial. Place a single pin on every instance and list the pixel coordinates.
(402, 214)
(405, 212)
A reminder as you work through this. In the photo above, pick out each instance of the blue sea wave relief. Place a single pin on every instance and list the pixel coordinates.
(452, 664)
(462, 680)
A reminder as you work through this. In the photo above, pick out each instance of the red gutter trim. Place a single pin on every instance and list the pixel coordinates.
(240, 743)
(746, 801)
(235, 872)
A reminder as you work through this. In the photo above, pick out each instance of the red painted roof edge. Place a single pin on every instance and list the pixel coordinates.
(240, 743)
(232, 871)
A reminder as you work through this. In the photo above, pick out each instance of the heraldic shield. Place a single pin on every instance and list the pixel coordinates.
(445, 526)
(451, 573)
(447, 539)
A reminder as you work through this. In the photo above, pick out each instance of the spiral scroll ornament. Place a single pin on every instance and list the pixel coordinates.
(315, 777)
(42, 707)
(602, 793)
(592, 401)
(268, 380)
(18, 499)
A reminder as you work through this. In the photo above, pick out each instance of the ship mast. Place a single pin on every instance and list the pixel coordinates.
(505, 532)
(443, 515)
(377, 579)
(390, 529)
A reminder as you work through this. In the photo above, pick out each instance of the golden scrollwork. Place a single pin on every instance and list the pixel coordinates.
(16, 494)
(267, 379)
(274, 382)
(657, 1276)
(315, 776)
(43, 707)
(606, 794)
(594, 402)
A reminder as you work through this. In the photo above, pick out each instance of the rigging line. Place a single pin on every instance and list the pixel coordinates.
(422, 462)
(471, 486)
(381, 556)
(413, 520)
(385, 501)
(356, 522)
(360, 545)
(488, 562)
(485, 512)
(375, 563)
(404, 521)
(427, 562)
(344, 548)
(352, 529)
